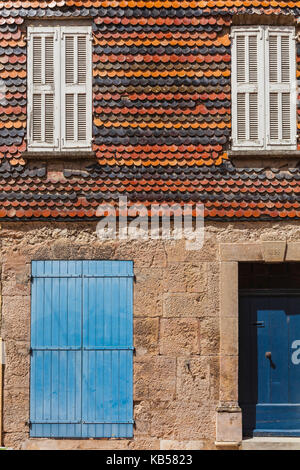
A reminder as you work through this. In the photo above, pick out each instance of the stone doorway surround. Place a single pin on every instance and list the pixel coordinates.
(229, 414)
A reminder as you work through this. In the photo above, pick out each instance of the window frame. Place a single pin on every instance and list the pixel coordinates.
(60, 144)
(263, 83)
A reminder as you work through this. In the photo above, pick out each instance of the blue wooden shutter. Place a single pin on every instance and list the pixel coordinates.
(55, 392)
(107, 349)
(81, 340)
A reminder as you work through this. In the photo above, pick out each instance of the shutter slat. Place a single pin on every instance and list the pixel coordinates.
(81, 60)
(37, 118)
(241, 116)
(70, 117)
(37, 60)
(49, 60)
(274, 108)
(253, 59)
(285, 59)
(81, 117)
(49, 119)
(69, 60)
(241, 58)
(286, 115)
(253, 116)
(273, 60)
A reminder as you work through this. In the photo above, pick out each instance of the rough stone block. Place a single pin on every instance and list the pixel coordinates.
(154, 377)
(17, 364)
(16, 317)
(148, 290)
(167, 444)
(146, 331)
(149, 253)
(64, 249)
(15, 266)
(179, 337)
(196, 277)
(16, 410)
(209, 336)
(175, 250)
(16, 287)
(175, 278)
(182, 420)
(103, 250)
(14, 440)
(142, 418)
(193, 380)
(182, 305)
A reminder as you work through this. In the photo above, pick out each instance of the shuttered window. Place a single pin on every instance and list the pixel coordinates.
(264, 91)
(59, 88)
(81, 349)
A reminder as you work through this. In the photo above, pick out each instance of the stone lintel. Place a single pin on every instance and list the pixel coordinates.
(274, 251)
(293, 251)
(241, 252)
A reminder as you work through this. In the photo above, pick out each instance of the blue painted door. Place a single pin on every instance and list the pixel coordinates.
(81, 349)
(269, 369)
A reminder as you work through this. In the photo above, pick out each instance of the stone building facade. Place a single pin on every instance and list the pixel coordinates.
(161, 134)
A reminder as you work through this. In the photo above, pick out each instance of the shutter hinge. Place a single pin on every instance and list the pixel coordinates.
(30, 351)
(31, 279)
(29, 424)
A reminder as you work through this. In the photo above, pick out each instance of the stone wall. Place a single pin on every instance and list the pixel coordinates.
(176, 328)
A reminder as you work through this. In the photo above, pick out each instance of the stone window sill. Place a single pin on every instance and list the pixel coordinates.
(260, 154)
(66, 156)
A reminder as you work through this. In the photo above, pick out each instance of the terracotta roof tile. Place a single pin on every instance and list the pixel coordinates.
(162, 112)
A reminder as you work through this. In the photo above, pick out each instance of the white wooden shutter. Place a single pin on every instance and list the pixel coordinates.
(43, 96)
(247, 88)
(76, 88)
(281, 87)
